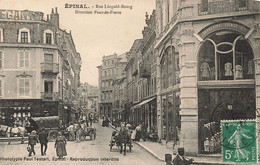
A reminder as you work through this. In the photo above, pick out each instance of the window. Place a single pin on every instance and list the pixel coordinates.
(48, 38)
(226, 55)
(24, 58)
(24, 36)
(1, 87)
(1, 35)
(168, 68)
(204, 6)
(24, 86)
(1, 59)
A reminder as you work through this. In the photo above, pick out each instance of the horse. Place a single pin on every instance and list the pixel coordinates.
(124, 138)
(7, 130)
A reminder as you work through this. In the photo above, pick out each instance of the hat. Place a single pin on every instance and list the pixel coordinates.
(33, 131)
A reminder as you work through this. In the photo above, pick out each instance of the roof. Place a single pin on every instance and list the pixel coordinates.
(123, 58)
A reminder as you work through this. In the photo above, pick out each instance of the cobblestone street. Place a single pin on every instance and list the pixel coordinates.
(94, 151)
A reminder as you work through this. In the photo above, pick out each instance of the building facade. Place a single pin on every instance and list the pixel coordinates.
(33, 67)
(207, 67)
(89, 101)
(112, 67)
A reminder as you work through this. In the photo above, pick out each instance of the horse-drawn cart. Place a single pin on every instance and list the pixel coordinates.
(120, 141)
(50, 123)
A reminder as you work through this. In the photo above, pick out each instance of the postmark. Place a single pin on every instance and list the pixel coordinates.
(239, 139)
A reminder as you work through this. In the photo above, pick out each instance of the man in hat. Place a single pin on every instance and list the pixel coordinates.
(43, 138)
(32, 139)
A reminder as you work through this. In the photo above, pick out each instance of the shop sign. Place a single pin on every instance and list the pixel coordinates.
(223, 26)
(8, 103)
(21, 15)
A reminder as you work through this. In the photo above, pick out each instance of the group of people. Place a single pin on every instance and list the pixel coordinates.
(42, 137)
(76, 129)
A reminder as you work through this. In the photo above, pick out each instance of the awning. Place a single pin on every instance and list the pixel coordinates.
(142, 103)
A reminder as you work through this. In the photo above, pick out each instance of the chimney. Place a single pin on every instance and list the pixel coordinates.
(54, 18)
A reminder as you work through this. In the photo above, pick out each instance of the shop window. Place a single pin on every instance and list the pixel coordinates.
(24, 58)
(226, 55)
(222, 104)
(24, 36)
(24, 86)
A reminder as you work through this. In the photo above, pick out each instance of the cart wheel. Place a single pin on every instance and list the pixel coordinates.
(53, 134)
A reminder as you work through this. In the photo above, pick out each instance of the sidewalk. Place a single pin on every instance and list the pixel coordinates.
(159, 150)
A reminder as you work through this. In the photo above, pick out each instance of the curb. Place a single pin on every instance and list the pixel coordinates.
(149, 151)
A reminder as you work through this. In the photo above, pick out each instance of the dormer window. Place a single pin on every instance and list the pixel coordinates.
(24, 36)
(48, 37)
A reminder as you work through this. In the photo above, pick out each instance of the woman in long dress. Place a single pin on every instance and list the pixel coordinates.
(60, 146)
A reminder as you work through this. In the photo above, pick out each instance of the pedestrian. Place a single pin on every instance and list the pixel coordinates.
(60, 146)
(43, 138)
(138, 132)
(78, 133)
(32, 140)
(71, 132)
(144, 132)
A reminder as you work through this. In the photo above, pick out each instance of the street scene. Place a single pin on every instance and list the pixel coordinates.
(94, 151)
(130, 82)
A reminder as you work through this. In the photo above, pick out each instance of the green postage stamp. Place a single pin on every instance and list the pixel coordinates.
(239, 141)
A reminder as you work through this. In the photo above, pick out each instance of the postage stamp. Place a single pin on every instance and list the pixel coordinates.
(239, 139)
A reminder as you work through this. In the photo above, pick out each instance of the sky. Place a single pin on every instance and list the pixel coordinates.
(94, 35)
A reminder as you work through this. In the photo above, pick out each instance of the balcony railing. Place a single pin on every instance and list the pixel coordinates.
(50, 68)
(225, 6)
(113, 76)
(106, 100)
(106, 88)
(48, 96)
(145, 70)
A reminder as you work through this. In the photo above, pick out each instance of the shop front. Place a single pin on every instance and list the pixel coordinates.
(226, 83)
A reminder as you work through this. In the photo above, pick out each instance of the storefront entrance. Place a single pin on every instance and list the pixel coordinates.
(222, 104)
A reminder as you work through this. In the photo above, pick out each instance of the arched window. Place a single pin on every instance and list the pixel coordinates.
(225, 55)
(167, 68)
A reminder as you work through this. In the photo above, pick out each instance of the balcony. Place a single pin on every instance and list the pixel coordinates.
(109, 88)
(48, 96)
(107, 77)
(145, 70)
(50, 68)
(106, 100)
(225, 6)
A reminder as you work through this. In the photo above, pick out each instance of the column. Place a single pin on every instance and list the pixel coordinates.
(188, 90)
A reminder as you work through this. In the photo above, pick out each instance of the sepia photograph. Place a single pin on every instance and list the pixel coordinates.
(129, 82)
